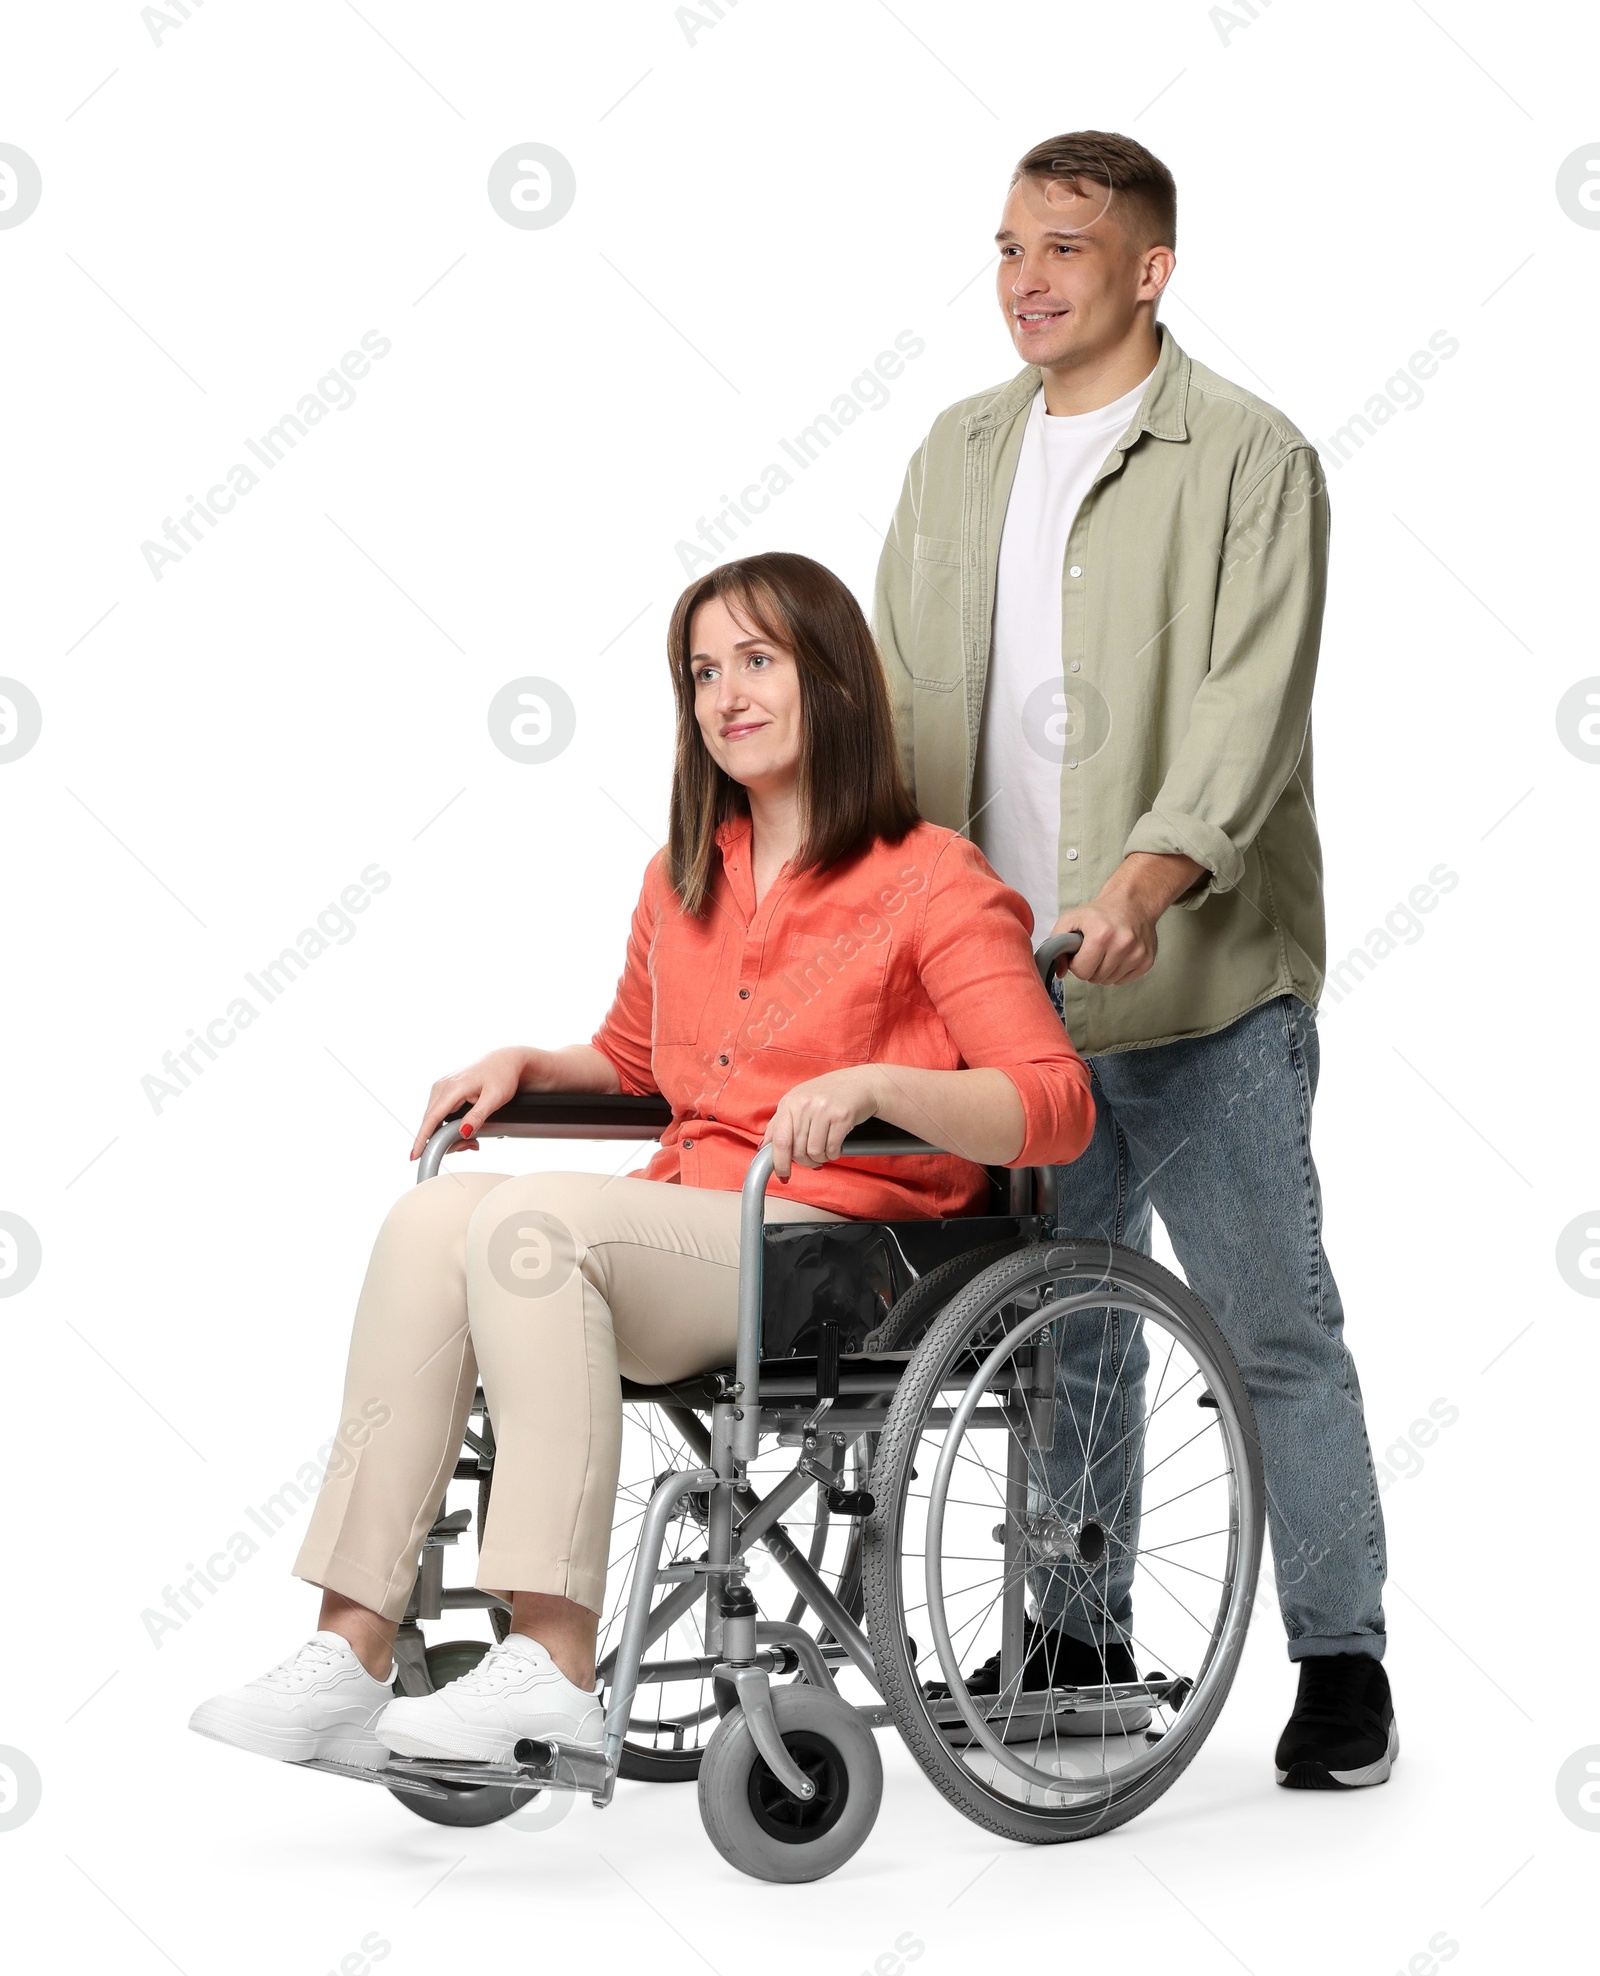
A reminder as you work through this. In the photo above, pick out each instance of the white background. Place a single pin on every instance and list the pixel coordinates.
(763, 203)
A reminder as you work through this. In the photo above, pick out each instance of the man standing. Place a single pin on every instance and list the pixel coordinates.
(1099, 608)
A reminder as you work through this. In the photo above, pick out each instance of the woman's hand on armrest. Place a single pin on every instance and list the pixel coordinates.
(497, 1078)
(809, 1122)
(976, 1113)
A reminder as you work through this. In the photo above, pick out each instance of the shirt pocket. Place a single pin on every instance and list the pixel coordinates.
(680, 987)
(823, 998)
(934, 644)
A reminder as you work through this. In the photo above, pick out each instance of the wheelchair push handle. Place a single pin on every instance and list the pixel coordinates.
(1051, 951)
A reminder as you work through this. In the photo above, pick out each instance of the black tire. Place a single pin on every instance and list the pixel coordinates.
(660, 1766)
(908, 1321)
(462, 1804)
(944, 1348)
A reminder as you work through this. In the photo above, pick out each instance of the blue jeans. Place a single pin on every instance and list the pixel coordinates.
(1214, 1132)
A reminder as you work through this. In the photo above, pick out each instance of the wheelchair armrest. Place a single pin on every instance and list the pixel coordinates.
(574, 1115)
(555, 1115)
(607, 1115)
(877, 1136)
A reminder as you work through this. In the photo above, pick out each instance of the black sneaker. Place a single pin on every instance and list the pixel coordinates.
(1341, 1734)
(1052, 1659)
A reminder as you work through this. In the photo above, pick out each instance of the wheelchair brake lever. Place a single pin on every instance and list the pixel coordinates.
(814, 1419)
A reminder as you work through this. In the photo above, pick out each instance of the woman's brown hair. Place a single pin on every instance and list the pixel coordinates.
(851, 790)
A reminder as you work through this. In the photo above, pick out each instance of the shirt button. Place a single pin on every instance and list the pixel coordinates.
(1076, 570)
(1075, 667)
(744, 994)
(722, 1059)
(1072, 764)
(1073, 852)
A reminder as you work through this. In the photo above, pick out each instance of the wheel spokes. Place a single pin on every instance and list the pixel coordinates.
(1122, 1634)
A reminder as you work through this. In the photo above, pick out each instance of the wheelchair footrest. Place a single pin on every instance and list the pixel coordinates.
(1031, 1719)
(374, 1774)
(1117, 1709)
(535, 1766)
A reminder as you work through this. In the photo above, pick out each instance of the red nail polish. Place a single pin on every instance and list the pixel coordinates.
(466, 1130)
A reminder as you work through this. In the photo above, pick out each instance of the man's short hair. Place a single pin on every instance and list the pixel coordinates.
(1138, 183)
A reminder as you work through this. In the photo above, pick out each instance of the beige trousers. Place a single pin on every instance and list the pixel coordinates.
(547, 1286)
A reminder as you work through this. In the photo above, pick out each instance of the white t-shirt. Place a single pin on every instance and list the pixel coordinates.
(1016, 794)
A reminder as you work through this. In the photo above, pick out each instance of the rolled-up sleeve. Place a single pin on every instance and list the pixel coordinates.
(1247, 725)
(624, 1034)
(976, 964)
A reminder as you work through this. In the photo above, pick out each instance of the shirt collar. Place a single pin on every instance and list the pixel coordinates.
(1162, 411)
(732, 832)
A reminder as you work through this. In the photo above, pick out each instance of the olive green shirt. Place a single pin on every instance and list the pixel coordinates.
(1192, 592)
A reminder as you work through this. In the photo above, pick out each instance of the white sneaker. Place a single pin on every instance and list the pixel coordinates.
(516, 1690)
(320, 1702)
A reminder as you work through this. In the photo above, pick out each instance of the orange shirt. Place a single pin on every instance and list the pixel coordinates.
(915, 953)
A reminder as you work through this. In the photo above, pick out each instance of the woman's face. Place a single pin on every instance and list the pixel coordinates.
(746, 698)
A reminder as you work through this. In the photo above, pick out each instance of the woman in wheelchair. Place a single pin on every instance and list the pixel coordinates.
(805, 954)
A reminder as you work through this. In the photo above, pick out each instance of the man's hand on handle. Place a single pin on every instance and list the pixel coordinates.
(1119, 928)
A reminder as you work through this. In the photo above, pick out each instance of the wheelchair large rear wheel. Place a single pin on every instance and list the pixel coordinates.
(1072, 1440)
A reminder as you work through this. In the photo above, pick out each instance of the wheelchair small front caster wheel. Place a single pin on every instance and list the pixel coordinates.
(757, 1824)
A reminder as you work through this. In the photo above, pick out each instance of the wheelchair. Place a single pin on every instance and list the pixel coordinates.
(918, 1437)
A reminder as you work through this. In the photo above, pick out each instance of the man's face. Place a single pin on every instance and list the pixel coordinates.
(1070, 280)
